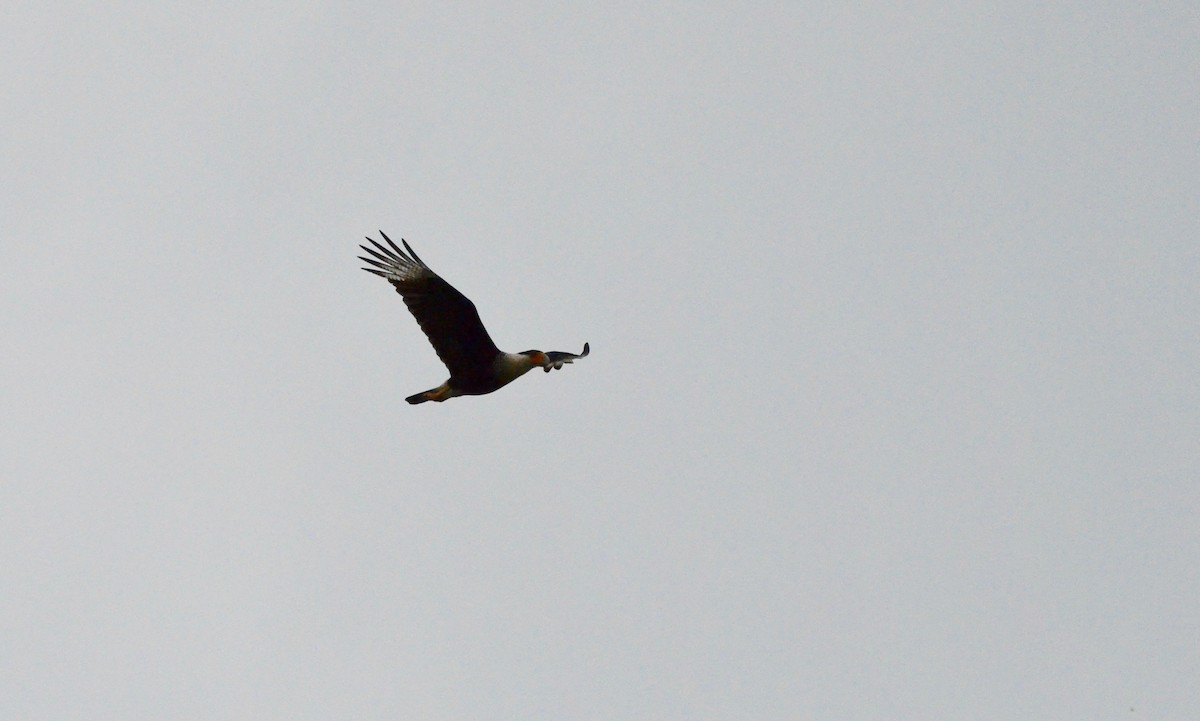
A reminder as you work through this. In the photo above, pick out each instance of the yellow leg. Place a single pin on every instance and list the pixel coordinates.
(438, 394)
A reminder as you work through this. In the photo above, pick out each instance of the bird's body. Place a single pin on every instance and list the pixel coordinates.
(450, 321)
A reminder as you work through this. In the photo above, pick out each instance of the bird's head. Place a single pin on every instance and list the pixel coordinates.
(536, 358)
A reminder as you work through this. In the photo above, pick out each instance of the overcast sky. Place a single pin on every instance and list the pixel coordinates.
(891, 413)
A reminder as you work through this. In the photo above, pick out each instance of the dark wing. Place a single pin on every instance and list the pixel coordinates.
(447, 317)
(556, 358)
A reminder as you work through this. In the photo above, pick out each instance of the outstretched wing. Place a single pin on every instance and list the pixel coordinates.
(447, 317)
(557, 358)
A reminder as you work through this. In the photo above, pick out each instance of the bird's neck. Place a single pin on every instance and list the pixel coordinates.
(511, 366)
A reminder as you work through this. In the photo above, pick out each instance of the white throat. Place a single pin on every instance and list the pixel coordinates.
(511, 366)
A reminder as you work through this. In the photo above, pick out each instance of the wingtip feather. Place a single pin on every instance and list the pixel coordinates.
(412, 252)
(386, 254)
(389, 242)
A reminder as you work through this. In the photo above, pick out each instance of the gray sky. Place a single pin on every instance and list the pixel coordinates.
(891, 410)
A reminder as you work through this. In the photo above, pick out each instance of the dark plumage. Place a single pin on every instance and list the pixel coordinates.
(450, 321)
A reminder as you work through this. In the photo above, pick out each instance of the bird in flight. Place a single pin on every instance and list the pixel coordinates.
(452, 324)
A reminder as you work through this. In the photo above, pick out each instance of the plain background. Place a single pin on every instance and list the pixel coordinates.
(891, 411)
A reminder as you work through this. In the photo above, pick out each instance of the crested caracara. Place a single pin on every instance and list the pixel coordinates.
(452, 324)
